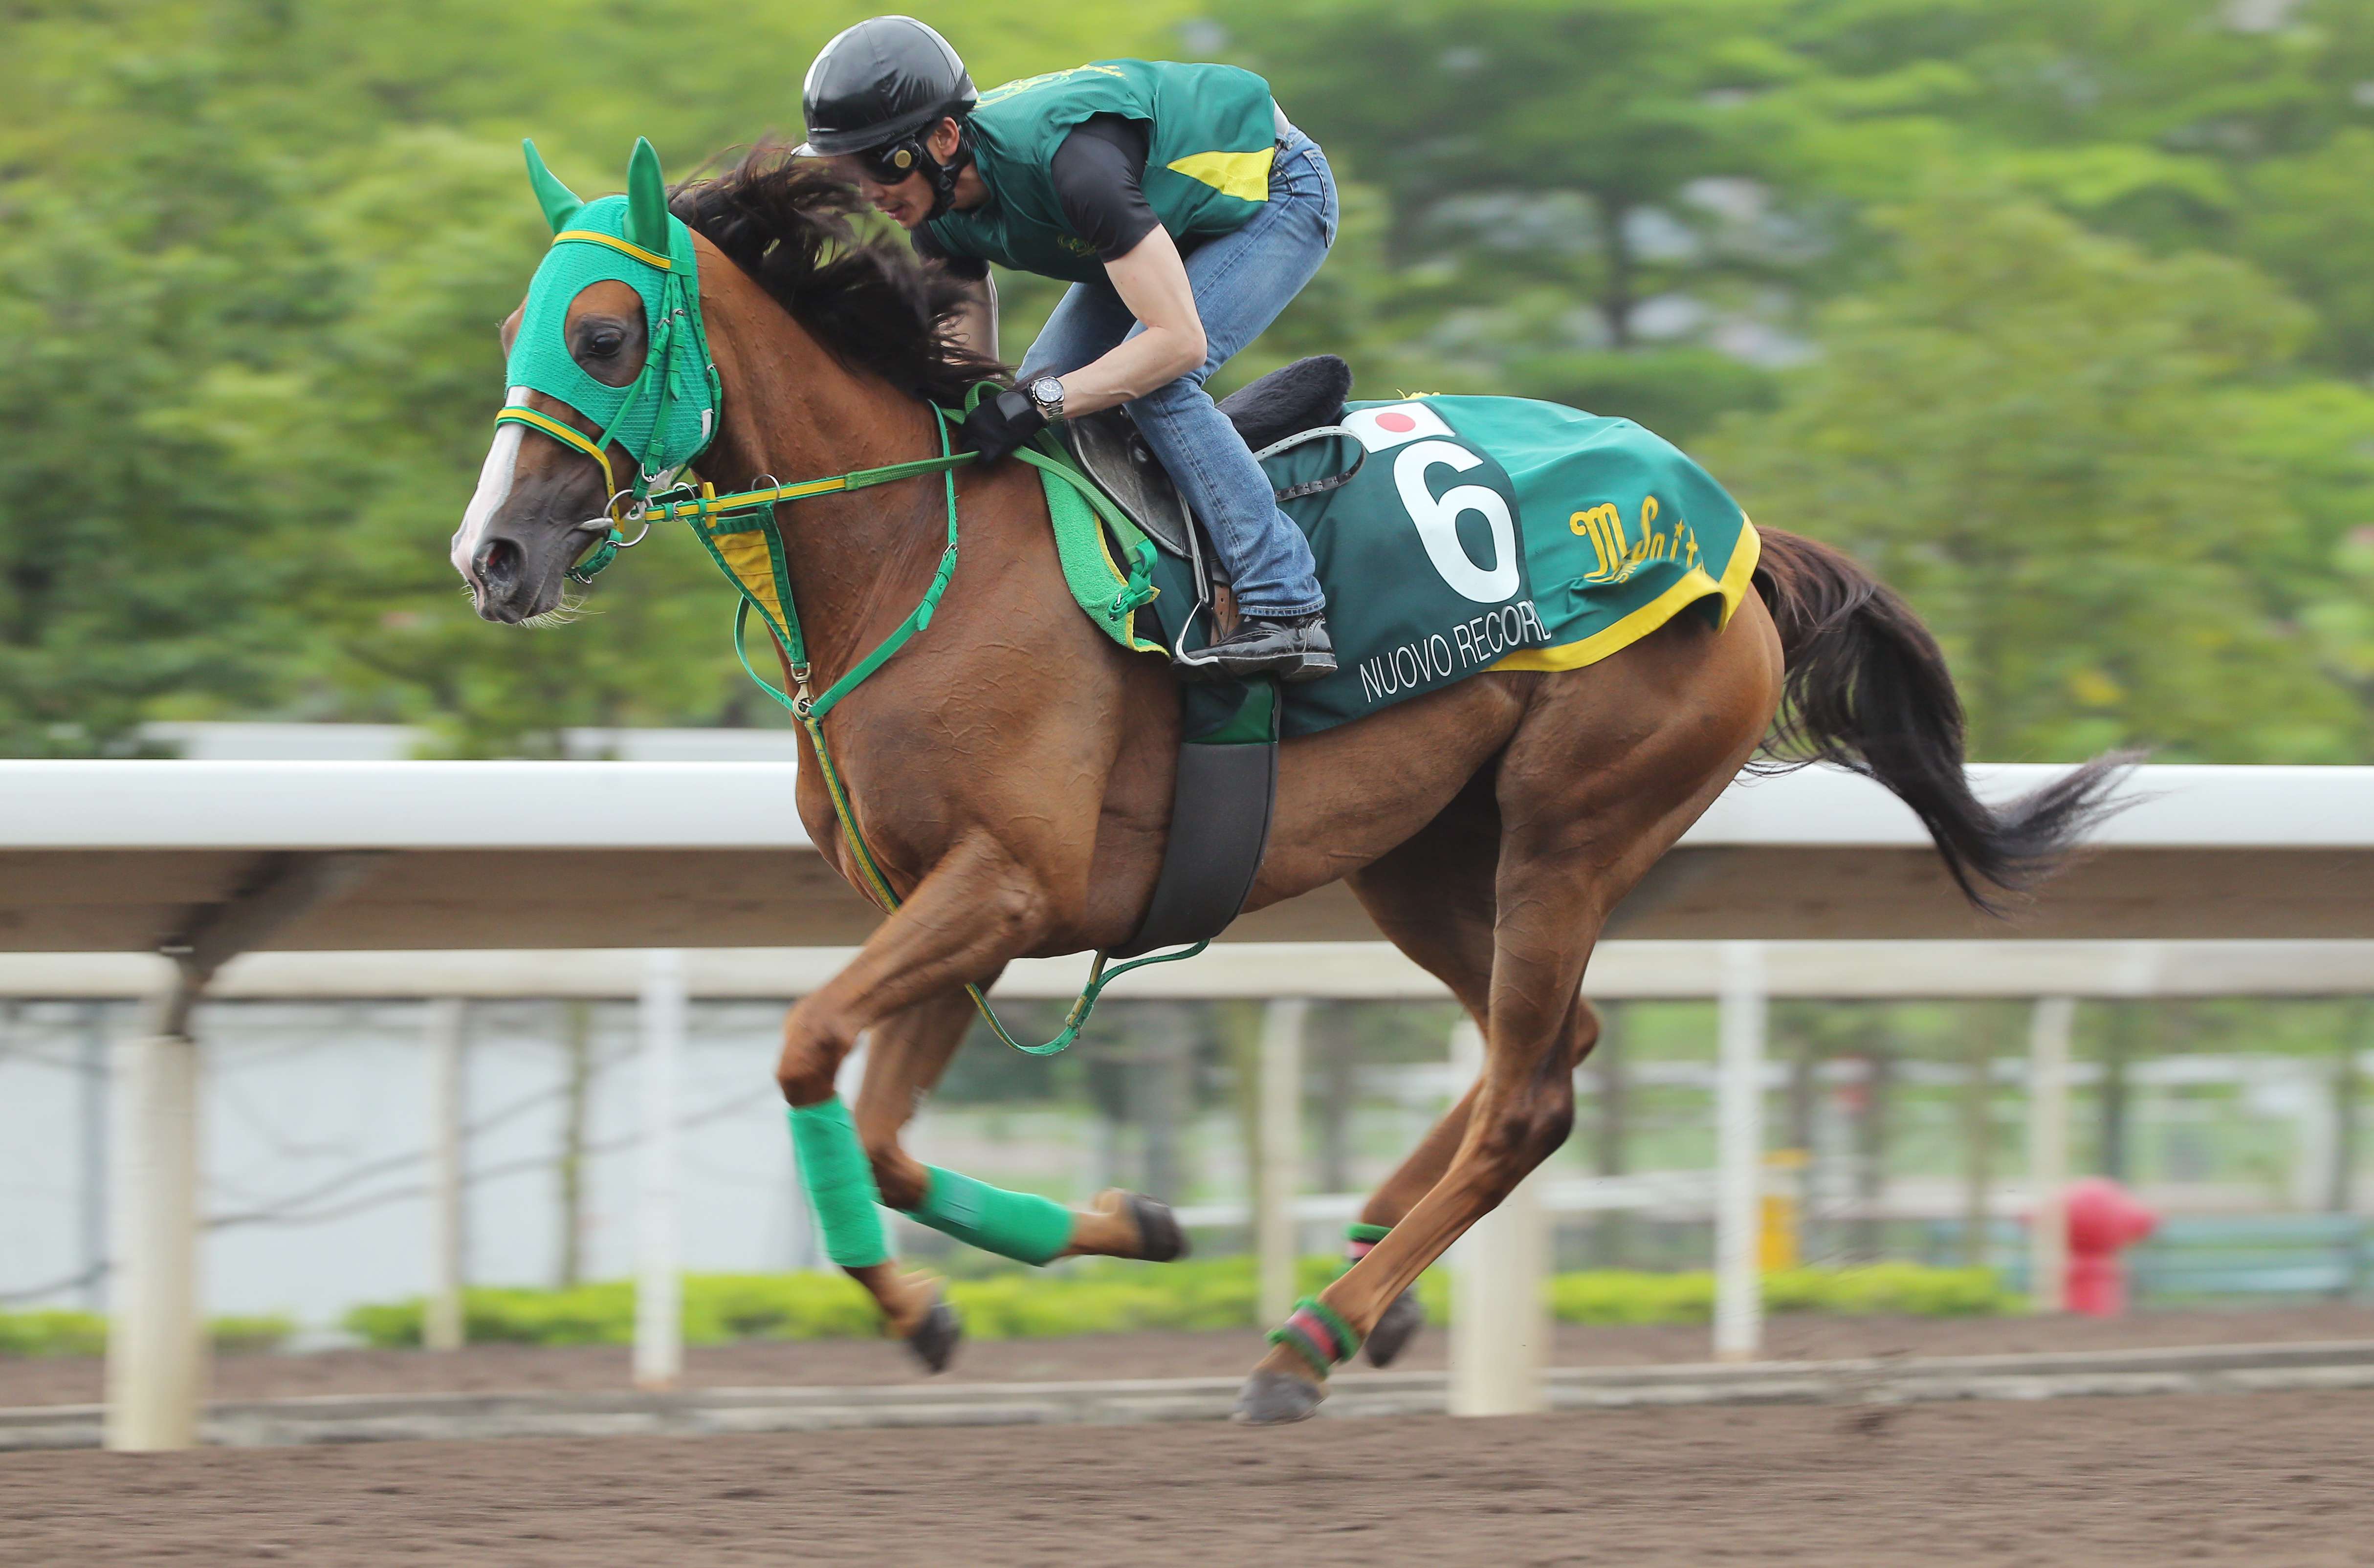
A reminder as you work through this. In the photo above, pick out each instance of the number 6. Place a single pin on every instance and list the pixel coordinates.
(1437, 521)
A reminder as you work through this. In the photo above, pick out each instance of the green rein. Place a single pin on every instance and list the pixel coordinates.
(810, 709)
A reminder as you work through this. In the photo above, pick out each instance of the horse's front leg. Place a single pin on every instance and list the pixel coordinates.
(976, 909)
(973, 911)
(905, 1056)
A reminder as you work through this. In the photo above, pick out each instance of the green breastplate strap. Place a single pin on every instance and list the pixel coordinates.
(668, 417)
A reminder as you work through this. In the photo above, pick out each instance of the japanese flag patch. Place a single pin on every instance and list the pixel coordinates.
(1394, 423)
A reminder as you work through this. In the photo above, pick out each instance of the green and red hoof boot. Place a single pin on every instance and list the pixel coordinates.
(1400, 1322)
(1320, 1339)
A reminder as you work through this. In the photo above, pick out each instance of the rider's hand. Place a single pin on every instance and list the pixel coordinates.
(998, 425)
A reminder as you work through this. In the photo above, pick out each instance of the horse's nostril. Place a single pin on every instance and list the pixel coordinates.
(498, 564)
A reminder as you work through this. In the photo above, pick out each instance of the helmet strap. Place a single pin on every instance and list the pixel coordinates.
(945, 174)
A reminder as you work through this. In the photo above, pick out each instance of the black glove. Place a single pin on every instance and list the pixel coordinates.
(998, 425)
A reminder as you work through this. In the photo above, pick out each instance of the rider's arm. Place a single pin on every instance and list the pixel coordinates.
(1098, 174)
(1152, 281)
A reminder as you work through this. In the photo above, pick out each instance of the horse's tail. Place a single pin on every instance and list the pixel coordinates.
(1867, 688)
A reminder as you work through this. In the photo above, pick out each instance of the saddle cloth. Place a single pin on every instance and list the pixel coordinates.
(1479, 534)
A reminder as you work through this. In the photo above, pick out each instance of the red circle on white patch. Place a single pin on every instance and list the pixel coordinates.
(1395, 422)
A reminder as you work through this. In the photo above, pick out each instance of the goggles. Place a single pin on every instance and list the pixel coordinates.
(891, 164)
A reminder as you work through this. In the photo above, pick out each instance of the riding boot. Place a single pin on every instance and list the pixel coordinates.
(1292, 648)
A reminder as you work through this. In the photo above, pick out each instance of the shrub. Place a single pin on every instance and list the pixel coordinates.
(85, 1333)
(1100, 1297)
(52, 1333)
(263, 1332)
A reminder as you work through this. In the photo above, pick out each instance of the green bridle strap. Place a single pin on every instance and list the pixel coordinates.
(810, 710)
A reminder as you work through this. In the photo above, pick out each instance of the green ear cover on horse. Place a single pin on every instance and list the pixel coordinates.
(647, 214)
(560, 203)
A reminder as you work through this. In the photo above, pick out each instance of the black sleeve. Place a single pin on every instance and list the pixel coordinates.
(1100, 172)
(928, 246)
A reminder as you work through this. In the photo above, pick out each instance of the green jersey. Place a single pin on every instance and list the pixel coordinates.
(1211, 133)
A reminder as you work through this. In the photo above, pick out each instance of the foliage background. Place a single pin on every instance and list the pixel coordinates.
(2058, 311)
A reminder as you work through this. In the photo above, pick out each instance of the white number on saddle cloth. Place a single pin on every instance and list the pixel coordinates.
(1400, 424)
(1437, 521)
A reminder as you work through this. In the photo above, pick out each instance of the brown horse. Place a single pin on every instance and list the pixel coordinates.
(1011, 767)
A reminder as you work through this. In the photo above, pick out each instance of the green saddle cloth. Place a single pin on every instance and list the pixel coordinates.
(1482, 533)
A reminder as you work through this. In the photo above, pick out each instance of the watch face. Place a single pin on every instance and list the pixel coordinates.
(1047, 388)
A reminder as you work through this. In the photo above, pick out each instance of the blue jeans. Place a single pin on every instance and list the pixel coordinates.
(1241, 281)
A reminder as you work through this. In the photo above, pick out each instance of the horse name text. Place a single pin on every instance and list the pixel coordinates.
(1478, 640)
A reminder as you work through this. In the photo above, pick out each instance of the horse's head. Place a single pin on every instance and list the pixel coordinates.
(610, 394)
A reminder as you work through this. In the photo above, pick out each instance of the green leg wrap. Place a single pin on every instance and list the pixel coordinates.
(1020, 1225)
(840, 1180)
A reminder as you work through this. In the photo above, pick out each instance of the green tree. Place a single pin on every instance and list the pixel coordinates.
(153, 296)
(1569, 208)
(2032, 432)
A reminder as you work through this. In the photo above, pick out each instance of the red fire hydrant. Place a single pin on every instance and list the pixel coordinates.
(2104, 1218)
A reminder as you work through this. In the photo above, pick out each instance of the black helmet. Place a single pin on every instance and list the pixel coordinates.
(879, 82)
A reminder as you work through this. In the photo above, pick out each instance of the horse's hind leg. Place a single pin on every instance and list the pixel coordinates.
(906, 1055)
(1433, 898)
(1603, 775)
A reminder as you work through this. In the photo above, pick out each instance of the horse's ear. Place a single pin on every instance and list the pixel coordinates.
(647, 211)
(560, 203)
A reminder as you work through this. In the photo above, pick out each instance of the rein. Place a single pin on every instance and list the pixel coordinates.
(682, 502)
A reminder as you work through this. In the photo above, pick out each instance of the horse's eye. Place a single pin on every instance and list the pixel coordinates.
(602, 345)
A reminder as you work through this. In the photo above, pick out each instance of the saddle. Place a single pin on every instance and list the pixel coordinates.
(1225, 787)
(1304, 396)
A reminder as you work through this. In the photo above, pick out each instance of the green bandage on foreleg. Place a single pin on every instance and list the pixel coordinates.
(1019, 1225)
(840, 1180)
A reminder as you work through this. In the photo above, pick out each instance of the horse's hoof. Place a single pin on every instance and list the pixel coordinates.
(1275, 1398)
(1160, 1239)
(1396, 1328)
(935, 1338)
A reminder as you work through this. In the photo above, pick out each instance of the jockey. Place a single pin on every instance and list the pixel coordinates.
(1184, 210)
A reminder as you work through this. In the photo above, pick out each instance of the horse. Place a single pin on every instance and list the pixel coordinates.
(1011, 768)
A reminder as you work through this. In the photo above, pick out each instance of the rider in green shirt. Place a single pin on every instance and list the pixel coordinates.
(1184, 210)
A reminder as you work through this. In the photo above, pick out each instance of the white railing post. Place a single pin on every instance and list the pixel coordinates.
(441, 1326)
(91, 1083)
(2047, 1153)
(1739, 1157)
(1277, 1238)
(1498, 1326)
(659, 1284)
(156, 1344)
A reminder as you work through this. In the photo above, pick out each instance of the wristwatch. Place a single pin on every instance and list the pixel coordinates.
(1047, 396)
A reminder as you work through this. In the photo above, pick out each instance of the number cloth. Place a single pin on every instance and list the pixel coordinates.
(1487, 534)
(1212, 132)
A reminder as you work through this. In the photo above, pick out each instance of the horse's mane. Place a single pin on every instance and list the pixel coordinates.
(789, 223)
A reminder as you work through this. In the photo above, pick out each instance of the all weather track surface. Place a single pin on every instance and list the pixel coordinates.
(2272, 1481)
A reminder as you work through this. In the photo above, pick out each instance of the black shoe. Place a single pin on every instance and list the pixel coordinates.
(1291, 648)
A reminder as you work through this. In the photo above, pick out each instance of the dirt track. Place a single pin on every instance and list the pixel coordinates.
(2267, 1481)
(505, 1368)
(2263, 1480)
